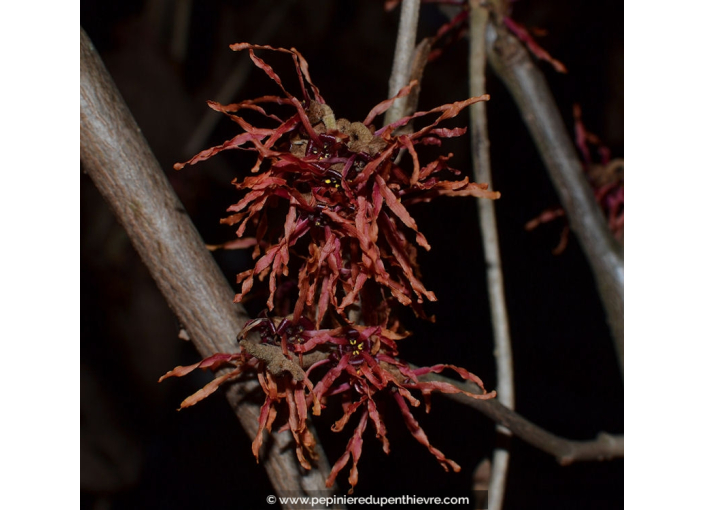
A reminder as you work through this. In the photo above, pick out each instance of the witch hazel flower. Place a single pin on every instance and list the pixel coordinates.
(343, 189)
(282, 380)
(365, 365)
(347, 245)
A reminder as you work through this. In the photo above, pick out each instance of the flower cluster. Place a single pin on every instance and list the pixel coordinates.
(347, 241)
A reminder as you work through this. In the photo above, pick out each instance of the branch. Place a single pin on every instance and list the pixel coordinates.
(490, 239)
(604, 447)
(526, 83)
(403, 58)
(119, 161)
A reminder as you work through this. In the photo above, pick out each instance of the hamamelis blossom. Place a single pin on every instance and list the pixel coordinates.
(344, 191)
(350, 237)
(281, 379)
(362, 364)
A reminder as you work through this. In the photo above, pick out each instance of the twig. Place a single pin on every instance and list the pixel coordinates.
(238, 77)
(490, 239)
(119, 161)
(420, 59)
(527, 85)
(403, 58)
(604, 447)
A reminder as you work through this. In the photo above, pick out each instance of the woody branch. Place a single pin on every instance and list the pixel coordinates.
(481, 160)
(116, 156)
(512, 63)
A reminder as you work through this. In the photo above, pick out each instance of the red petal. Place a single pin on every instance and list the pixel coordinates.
(447, 111)
(533, 46)
(326, 382)
(209, 389)
(405, 141)
(237, 244)
(384, 157)
(448, 133)
(354, 447)
(302, 64)
(299, 431)
(395, 241)
(399, 210)
(271, 74)
(429, 386)
(213, 362)
(386, 104)
(379, 425)
(250, 104)
(420, 436)
(234, 143)
(349, 409)
(461, 371)
(264, 421)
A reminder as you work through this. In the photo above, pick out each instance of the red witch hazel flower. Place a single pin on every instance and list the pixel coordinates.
(343, 245)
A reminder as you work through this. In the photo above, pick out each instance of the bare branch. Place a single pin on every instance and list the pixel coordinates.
(119, 161)
(604, 447)
(403, 58)
(512, 63)
(420, 59)
(479, 18)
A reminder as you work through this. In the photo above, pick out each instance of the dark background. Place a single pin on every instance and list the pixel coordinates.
(138, 452)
